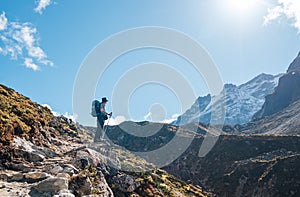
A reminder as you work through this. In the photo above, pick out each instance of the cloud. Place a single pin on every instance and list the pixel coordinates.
(287, 8)
(42, 4)
(3, 21)
(29, 64)
(172, 119)
(49, 107)
(21, 40)
(115, 121)
(66, 114)
(148, 117)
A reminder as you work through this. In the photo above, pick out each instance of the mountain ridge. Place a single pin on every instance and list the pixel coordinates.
(287, 91)
(241, 102)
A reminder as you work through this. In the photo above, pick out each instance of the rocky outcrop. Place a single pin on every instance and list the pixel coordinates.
(284, 122)
(295, 65)
(287, 92)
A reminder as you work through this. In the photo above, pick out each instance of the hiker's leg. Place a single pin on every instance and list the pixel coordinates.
(102, 129)
(99, 130)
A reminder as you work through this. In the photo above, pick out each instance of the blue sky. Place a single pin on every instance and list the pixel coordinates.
(44, 42)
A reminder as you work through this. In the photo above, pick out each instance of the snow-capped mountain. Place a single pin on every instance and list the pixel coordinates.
(241, 102)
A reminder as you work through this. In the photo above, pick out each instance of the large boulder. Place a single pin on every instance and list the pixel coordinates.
(80, 185)
(52, 185)
(125, 183)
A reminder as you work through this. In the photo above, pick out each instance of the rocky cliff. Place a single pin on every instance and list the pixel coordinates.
(287, 91)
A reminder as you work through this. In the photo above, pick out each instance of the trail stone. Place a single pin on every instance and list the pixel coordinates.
(56, 169)
(52, 185)
(35, 176)
(125, 183)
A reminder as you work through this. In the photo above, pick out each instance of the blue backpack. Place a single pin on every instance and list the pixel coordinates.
(95, 108)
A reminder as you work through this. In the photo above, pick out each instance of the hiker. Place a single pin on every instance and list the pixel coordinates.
(102, 115)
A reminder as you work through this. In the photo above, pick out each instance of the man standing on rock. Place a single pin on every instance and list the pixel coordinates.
(102, 115)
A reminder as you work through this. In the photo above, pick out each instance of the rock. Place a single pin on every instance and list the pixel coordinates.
(17, 177)
(27, 150)
(80, 185)
(19, 166)
(4, 177)
(64, 193)
(63, 175)
(52, 185)
(11, 176)
(83, 159)
(32, 177)
(69, 167)
(125, 183)
(56, 169)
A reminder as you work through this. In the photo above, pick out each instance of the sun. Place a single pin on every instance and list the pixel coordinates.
(243, 5)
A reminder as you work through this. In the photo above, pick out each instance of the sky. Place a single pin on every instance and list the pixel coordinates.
(44, 43)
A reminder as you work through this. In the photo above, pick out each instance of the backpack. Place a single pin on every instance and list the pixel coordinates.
(95, 108)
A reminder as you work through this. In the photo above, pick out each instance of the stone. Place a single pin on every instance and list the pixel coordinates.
(65, 193)
(19, 167)
(63, 175)
(80, 185)
(56, 169)
(4, 176)
(27, 150)
(125, 183)
(17, 177)
(52, 185)
(32, 177)
(70, 169)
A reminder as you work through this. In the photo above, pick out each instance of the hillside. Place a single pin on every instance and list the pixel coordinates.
(242, 102)
(44, 155)
(238, 165)
(284, 122)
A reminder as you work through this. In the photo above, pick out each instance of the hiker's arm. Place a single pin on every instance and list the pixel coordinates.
(103, 112)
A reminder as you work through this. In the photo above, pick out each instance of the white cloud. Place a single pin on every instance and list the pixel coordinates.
(67, 115)
(115, 121)
(172, 119)
(49, 107)
(29, 64)
(42, 4)
(70, 116)
(21, 40)
(287, 8)
(3, 21)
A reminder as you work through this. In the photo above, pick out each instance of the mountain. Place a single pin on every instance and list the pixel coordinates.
(241, 102)
(237, 165)
(243, 166)
(43, 155)
(284, 122)
(287, 91)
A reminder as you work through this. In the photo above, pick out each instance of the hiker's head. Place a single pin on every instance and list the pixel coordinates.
(104, 100)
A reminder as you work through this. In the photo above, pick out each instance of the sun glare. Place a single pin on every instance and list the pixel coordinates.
(242, 5)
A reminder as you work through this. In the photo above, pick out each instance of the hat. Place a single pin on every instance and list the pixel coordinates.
(104, 100)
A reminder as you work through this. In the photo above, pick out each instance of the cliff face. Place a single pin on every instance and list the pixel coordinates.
(287, 92)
